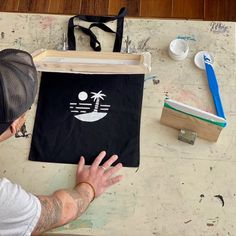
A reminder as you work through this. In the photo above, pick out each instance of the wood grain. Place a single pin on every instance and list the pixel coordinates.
(72, 7)
(94, 7)
(214, 9)
(231, 16)
(58, 6)
(220, 10)
(24, 5)
(133, 7)
(188, 9)
(181, 9)
(92, 62)
(180, 120)
(156, 8)
(9, 5)
(40, 6)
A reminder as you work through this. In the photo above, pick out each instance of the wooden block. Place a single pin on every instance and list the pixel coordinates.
(92, 62)
(180, 120)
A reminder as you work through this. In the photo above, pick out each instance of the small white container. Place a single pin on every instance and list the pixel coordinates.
(178, 49)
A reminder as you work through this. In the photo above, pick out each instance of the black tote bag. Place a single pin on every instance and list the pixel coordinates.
(99, 22)
(83, 114)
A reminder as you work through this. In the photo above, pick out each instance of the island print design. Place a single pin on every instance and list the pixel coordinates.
(86, 111)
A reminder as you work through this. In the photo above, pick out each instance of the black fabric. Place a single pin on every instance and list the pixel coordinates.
(4, 127)
(98, 22)
(60, 137)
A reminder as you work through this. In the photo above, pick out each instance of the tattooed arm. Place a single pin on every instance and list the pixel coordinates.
(63, 206)
(66, 205)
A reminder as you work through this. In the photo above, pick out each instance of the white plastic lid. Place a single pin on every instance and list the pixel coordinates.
(199, 59)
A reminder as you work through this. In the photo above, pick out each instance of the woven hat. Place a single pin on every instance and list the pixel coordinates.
(18, 85)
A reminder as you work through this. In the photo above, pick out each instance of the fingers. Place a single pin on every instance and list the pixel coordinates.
(81, 164)
(113, 170)
(110, 161)
(114, 180)
(98, 160)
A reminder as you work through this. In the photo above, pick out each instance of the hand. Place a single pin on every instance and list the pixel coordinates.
(100, 177)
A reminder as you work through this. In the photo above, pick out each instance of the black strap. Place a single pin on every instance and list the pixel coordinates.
(100, 20)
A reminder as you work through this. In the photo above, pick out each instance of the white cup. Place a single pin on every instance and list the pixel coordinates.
(178, 49)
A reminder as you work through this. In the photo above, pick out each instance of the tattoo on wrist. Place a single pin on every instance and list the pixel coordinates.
(53, 208)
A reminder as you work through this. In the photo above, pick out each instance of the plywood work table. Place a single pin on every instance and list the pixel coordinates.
(172, 192)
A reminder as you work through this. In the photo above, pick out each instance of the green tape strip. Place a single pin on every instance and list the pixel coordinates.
(198, 117)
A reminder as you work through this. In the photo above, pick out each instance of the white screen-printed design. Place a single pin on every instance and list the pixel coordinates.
(89, 112)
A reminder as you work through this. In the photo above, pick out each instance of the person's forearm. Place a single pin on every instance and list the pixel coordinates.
(63, 206)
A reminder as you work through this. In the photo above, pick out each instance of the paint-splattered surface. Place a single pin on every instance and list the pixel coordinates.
(173, 192)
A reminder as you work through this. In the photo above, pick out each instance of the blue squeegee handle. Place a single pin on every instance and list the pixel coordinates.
(214, 88)
(218, 105)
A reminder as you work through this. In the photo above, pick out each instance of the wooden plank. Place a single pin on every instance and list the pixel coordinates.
(188, 9)
(220, 10)
(56, 6)
(39, 6)
(180, 120)
(24, 5)
(94, 7)
(92, 62)
(9, 5)
(156, 8)
(72, 7)
(214, 10)
(90, 54)
(231, 11)
(94, 69)
(39, 54)
(133, 7)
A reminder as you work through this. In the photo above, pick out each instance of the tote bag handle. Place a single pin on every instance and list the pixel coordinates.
(98, 21)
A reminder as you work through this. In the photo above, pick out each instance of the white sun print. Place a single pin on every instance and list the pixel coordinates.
(82, 96)
(87, 111)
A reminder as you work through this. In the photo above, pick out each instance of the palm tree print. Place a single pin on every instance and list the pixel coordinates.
(96, 98)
